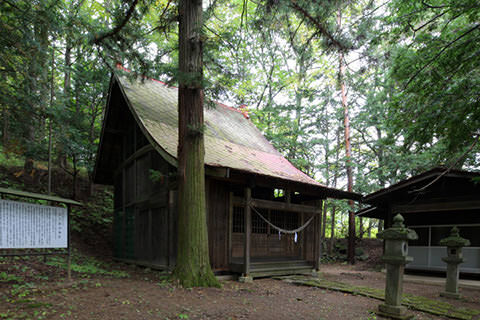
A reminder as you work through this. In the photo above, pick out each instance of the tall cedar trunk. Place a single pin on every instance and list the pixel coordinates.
(6, 125)
(348, 153)
(50, 124)
(61, 160)
(381, 161)
(193, 265)
(361, 227)
(335, 177)
(38, 93)
(327, 151)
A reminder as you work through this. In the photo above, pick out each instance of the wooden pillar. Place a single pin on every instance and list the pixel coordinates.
(318, 229)
(319, 205)
(303, 237)
(171, 210)
(230, 227)
(248, 232)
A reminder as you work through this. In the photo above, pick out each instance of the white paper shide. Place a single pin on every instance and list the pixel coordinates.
(26, 225)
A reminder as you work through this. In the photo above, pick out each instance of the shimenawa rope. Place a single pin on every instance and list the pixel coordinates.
(280, 229)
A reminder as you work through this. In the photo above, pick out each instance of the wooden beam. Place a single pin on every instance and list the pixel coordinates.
(275, 205)
(248, 232)
(316, 191)
(217, 172)
(436, 206)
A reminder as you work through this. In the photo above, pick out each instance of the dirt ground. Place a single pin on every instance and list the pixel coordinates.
(145, 294)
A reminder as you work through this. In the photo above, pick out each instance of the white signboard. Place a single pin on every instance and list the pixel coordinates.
(26, 225)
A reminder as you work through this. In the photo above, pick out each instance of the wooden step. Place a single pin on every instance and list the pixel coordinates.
(278, 262)
(270, 268)
(278, 265)
(277, 272)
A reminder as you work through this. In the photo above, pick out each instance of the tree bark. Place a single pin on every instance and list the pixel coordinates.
(61, 159)
(335, 177)
(37, 93)
(348, 153)
(193, 265)
(50, 124)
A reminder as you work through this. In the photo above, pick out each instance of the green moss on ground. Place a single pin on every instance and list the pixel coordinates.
(419, 303)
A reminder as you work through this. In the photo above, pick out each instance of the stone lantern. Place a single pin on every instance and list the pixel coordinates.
(454, 244)
(395, 257)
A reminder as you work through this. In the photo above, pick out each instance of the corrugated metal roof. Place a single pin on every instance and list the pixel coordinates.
(231, 140)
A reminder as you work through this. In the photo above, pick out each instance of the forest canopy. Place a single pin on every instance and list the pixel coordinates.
(409, 70)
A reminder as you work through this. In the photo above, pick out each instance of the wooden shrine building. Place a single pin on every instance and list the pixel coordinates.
(248, 183)
(432, 203)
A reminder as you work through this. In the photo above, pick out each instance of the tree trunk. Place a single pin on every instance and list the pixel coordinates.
(348, 153)
(37, 93)
(50, 124)
(380, 225)
(5, 130)
(327, 171)
(61, 160)
(332, 231)
(193, 265)
(335, 177)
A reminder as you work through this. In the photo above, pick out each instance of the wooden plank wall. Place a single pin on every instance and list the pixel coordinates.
(217, 221)
(143, 222)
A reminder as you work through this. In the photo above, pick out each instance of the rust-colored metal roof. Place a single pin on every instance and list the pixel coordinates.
(231, 140)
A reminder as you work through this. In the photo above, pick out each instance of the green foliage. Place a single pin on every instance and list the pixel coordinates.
(87, 266)
(5, 277)
(412, 81)
(435, 66)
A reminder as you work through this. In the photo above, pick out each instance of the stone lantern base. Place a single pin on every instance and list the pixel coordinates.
(393, 312)
(451, 295)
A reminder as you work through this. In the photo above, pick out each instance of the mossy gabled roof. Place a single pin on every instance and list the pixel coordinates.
(231, 140)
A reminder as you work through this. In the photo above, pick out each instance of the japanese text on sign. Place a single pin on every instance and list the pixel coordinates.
(26, 225)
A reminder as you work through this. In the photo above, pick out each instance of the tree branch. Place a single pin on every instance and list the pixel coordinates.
(450, 167)
(99, 38)
(319, 26)
(438, 55)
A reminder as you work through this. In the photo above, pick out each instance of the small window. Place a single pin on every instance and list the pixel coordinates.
(278, 193)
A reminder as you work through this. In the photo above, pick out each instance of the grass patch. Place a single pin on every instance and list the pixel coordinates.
(87, 266)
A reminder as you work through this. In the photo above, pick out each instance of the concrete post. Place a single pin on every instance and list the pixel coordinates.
(454, 258)
(395, 257)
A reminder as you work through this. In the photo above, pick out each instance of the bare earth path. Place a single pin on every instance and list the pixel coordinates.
(146, 295)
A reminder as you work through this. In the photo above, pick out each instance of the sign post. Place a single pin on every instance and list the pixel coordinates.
(26, 225)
